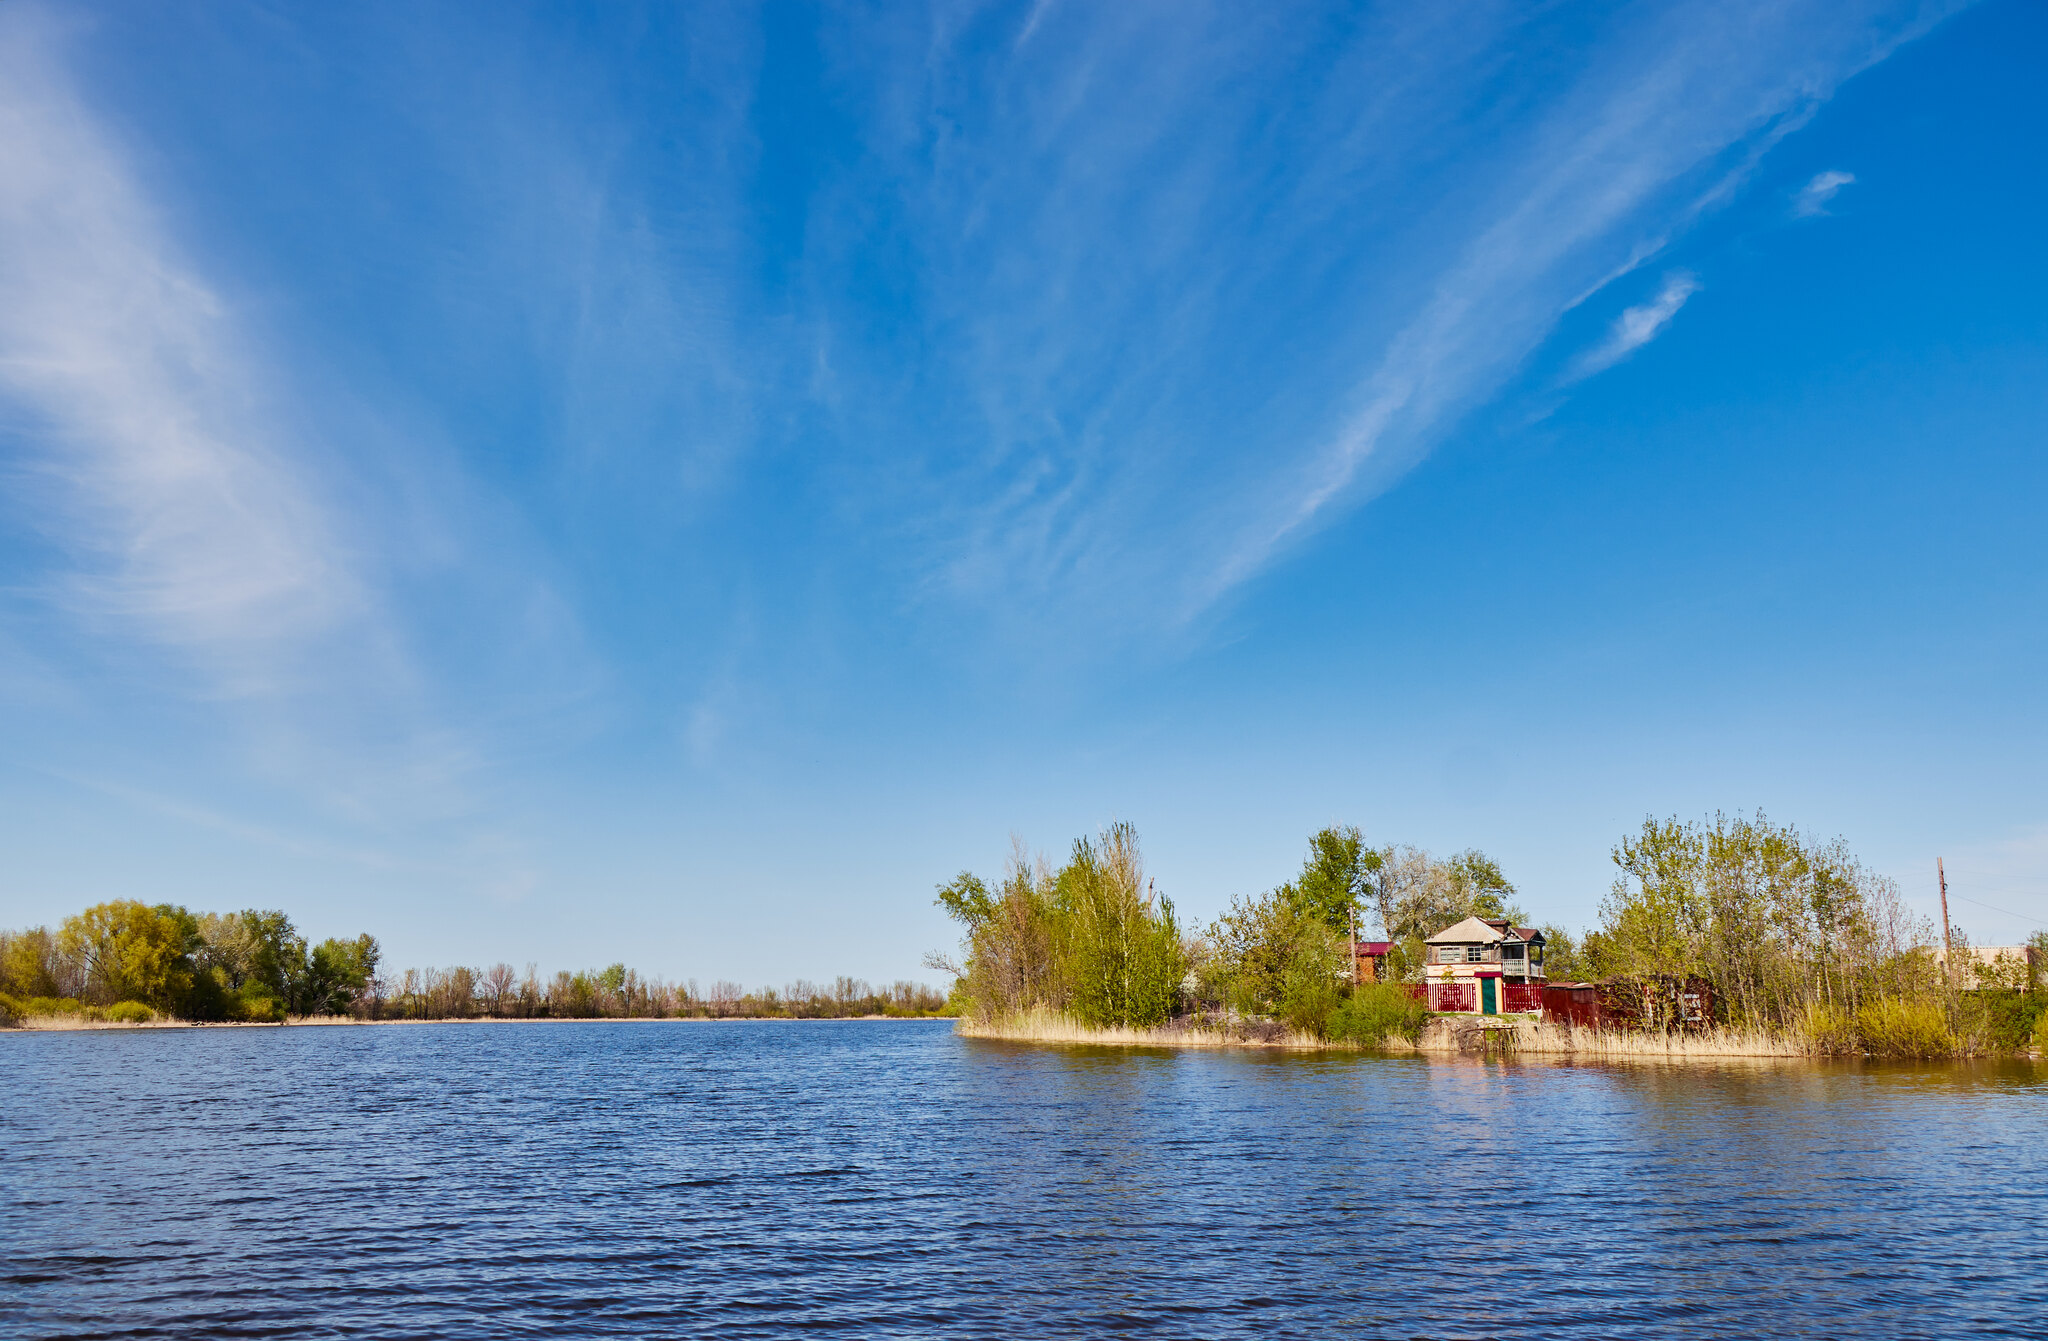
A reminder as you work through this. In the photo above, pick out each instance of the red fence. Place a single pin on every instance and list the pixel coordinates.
(1522, 998)
(1453, 996)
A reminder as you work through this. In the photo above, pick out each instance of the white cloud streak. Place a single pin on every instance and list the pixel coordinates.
(1638, 325)
(1813, 197)
(153, 462)
(1608, 170)
(1209, 285)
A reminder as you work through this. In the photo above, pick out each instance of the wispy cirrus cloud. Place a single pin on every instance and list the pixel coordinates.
(187, 521)
(147, 453)
(1638, 325)
(1813, 197)
(1197, 287)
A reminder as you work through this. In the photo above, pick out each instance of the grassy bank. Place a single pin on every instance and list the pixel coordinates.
(1452, 1035)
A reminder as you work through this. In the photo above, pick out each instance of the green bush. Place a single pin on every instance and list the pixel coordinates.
(53, 1005)
(2003, 1021)
(255, 1006)
(1312, 981)
(1373, 1012)
(129, 1012)
(11, 1011)
(1830, 1029)
(1893, 1027)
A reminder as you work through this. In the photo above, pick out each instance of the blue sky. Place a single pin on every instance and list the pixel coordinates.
(673, 484)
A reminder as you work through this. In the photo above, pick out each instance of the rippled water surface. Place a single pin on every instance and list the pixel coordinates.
(880, 1178)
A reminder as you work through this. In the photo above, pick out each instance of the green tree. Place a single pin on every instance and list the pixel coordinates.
(1093, 939)
(334, 974)
(132, 952)
(31, 964)
(1336, 879)
(1121, 948)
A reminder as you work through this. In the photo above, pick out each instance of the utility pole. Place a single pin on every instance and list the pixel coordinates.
(1948, 941)
(1354, 944)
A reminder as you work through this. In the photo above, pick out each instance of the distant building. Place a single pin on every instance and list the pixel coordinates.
(1485, 966)
(1370, 957)
(1999, 965)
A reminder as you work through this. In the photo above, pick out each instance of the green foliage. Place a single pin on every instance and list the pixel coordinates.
(130, 951)
(332, 976)
(1779, 923)
(247, 965)
(30, 963)
(1477, 883)
(52, 1005)
(1119, 950)
(967, 900)
(2003, 1021)
(1272, 955)
(1316, 975)
(1895, 1027)
(1336, 879)
(12, 1011)
(1092, 939)
(1376, 1011)
(1563, 958)
(129, 1012)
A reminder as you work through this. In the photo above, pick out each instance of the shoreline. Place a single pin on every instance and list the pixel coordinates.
(1448, 1036)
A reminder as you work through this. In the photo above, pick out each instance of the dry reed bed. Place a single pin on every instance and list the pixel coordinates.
(1049, 1026)
(1543, 1038)
(1534, 1039)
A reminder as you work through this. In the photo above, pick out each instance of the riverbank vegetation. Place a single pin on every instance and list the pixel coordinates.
(128, 962)
(1807, 951)
(1800, 940)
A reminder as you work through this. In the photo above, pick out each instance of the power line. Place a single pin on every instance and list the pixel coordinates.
(2007, 911)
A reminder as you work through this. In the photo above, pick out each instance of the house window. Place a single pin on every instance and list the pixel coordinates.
(1510, 952)
(1473, 954)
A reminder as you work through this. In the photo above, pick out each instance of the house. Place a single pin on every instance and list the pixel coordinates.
(1485, 966)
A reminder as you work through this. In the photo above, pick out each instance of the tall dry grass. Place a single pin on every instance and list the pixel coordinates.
(1444, 1036)
(1546, 1038)
(1040, 1025)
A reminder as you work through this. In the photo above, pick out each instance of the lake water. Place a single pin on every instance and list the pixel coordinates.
(879, 1179)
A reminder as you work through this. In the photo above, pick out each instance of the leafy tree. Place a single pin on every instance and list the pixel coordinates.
(1336, 879)
(1476, 884)
(1121, 952)
(334, 973)
(132, 952)
(31, 964)
(1782, 924)
(1093, 939)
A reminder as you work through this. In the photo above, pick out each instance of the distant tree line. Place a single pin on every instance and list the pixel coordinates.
(617, 992)
(129, 961)
(1795, 936)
